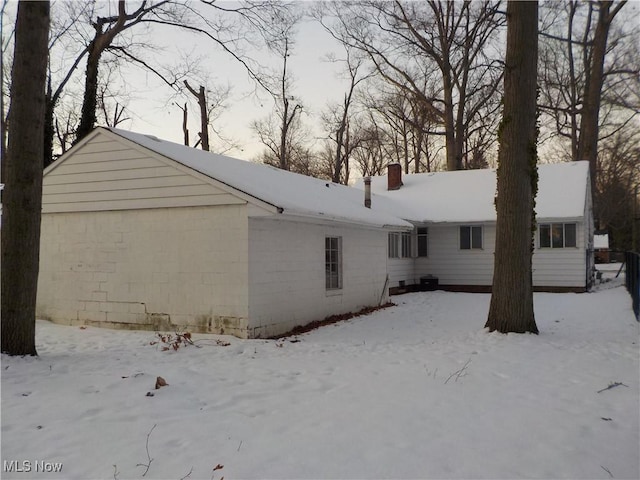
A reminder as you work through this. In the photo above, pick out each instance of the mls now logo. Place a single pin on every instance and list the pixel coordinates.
(25, 466)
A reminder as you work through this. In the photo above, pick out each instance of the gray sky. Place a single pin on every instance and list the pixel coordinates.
(316, 83)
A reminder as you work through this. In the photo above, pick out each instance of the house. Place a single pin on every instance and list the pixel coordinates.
(142, 233)
(454, 218)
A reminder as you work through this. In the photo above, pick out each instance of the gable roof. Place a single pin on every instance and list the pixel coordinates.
(468, 195)
(290, 193)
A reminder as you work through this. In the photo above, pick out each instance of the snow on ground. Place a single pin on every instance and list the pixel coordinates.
(419, 390)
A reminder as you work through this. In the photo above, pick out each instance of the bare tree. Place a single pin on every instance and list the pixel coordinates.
(511, 308)
(106, 29)
(287, 108)
(615, 192)
(342, 133)
(201, 97)
(6, 39)
(588, 144)
(589, 74)
(22, 196)
(229, 27)
(414, 44)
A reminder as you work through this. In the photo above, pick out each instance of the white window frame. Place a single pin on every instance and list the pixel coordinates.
(554, 227)
(333, 263)
(472, 245)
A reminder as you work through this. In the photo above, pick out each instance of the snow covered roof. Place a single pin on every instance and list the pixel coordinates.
(468, 195)
(291, 193)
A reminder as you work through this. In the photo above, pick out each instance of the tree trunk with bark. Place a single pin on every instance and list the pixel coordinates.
(22, 196)
(589, 121)
(511, 308)
(201, 96)
(107, 28)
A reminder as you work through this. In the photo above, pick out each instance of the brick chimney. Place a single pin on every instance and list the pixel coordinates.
(394, 176)
(367, 192)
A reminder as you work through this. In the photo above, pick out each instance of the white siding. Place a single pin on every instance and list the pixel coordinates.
(107, 174)
(453, 266)
(402, 270)
(561, 267)
(157, 268)
(287, 273)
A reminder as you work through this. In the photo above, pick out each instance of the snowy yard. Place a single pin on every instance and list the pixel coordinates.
(418, 390)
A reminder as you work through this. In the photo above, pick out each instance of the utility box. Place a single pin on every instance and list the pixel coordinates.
(428, 283)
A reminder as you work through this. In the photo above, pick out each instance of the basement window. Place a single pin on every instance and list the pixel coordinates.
(333, 263)
(557, 235)
(470, 237)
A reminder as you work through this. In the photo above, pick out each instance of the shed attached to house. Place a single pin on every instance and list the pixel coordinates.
(454, 222)
(147, 234)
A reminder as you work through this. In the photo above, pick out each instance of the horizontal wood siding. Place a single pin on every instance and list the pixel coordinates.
(562, 267)
(401, 269)
(105, 174)
(453, 266)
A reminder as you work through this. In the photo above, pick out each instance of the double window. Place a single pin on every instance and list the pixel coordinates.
(470, 237)
(333, 262)
(401, 244)
(557, 235)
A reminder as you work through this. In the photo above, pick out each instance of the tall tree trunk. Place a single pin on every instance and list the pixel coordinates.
(453, 163)
(589, 126)
(90, 99)
(201, 96)
(22, 197)
(48, 127)
(511, 308)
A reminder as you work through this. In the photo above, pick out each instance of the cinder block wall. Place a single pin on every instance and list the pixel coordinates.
(161, 268)
(287, 273)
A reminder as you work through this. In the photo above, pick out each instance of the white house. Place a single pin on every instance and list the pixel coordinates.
(147, 234)
(454, 220)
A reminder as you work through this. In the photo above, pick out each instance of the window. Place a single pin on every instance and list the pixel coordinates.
(393, 245)
(333, 262)
(423, 247)
(406, 244)
(470, 237)
(557, 235)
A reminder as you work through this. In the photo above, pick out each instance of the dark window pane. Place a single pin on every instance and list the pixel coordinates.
(570, 235)
(545, 236)
(465, 238)
(422, 241)
(476, 233)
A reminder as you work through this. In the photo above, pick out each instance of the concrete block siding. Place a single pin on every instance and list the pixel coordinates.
(288, 256)
(149, 268)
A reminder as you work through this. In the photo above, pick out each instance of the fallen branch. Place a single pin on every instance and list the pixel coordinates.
(607, 470)
(458, 373)
(188, 474)
(149, 459)
(612, 385)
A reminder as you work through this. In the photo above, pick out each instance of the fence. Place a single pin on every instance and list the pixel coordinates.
(632, 280)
